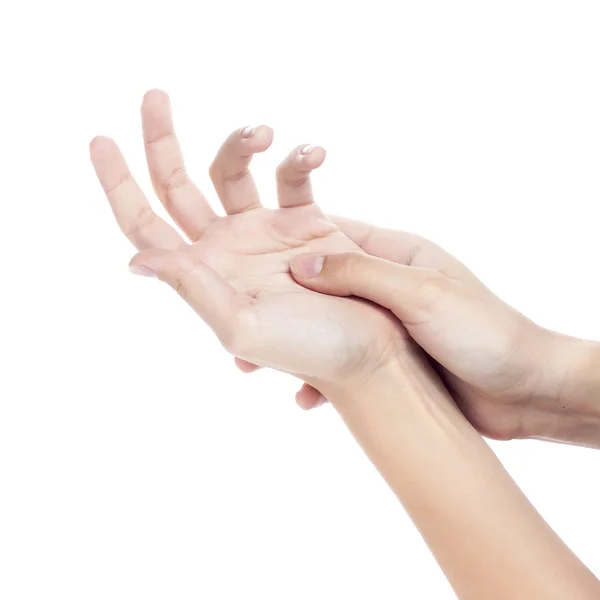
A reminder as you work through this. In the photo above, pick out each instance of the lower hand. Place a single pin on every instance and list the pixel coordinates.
(235, 273)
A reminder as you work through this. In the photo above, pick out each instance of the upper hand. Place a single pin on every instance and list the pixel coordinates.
(497, 363)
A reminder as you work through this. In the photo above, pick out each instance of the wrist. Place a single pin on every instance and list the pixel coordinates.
(452, 486)
(566, 404)
(406, 385)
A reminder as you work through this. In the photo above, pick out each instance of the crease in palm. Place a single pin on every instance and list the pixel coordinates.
(252, 250)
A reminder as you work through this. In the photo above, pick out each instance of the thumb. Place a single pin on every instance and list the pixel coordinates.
(406, 291)
(202, 288)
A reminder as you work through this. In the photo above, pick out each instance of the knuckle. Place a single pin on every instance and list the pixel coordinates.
(167, 186)
(220, 175)
(236, 176)
(432, 287)
(413, 252)
(349, 263)
(342, 273)
(290, 175)
(120, 183)
(159, 139)
(177, 178)
(296, 182)
(143, 219)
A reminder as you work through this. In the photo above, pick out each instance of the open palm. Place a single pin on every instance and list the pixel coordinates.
(235, 274)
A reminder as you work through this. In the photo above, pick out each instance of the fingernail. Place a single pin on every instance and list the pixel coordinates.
(248, 132)
(142, 270)
(306, 149)
(309, 265)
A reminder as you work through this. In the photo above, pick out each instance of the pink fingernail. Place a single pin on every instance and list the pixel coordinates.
(248, 132)
(306, 149)
(142, 270)
(306, 266)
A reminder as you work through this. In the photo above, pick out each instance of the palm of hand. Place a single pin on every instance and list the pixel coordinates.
(236, 274)
(272, 320)
(279, 323)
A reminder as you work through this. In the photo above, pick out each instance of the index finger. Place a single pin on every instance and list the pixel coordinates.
(142, 226)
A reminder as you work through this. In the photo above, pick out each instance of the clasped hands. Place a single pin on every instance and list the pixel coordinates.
(334, 302)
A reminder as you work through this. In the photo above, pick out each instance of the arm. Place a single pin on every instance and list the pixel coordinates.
(572, 415)
(235, 276)
(510, 377)
(488, 539)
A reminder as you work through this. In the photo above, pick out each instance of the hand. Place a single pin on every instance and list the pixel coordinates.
(509, 376)
(235, 273)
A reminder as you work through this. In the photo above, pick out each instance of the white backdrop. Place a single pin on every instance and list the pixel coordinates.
(135, 461)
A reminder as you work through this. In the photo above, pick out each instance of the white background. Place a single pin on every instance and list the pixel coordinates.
(135, 461)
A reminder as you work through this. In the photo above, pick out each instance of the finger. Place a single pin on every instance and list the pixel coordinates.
(205, 291)
(245, 366)
(403, 248)
(397, 246)
(183, 200)
(293, 176)
(406, 291)
(137, 220)
(229, 170)
(307, 397)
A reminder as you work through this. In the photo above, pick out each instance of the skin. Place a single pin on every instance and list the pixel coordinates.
(235, 273)
(236, 276)
(510, 377)
(486, 536)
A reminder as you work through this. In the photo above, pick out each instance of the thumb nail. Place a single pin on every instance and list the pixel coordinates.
(142, 270)
(308, 265)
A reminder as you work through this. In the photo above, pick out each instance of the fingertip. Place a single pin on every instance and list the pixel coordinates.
(108, 162)
(139, 259)
(155, 97)
(303, 402)
(257, 139)
(311, 157)
(244, 366)
(266, 132)
(142, 270)
(308, 398)
(160, 261)
(320, 401)
(100, 143)
(319, 154)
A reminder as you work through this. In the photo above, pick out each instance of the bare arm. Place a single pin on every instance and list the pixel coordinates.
(486, 536)
(510, 377)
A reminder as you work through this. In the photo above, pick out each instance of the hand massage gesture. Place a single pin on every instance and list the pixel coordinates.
(236, 275)
(510, 377)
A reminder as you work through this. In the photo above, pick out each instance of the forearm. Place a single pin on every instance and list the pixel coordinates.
(567, 406)
(486, 536)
